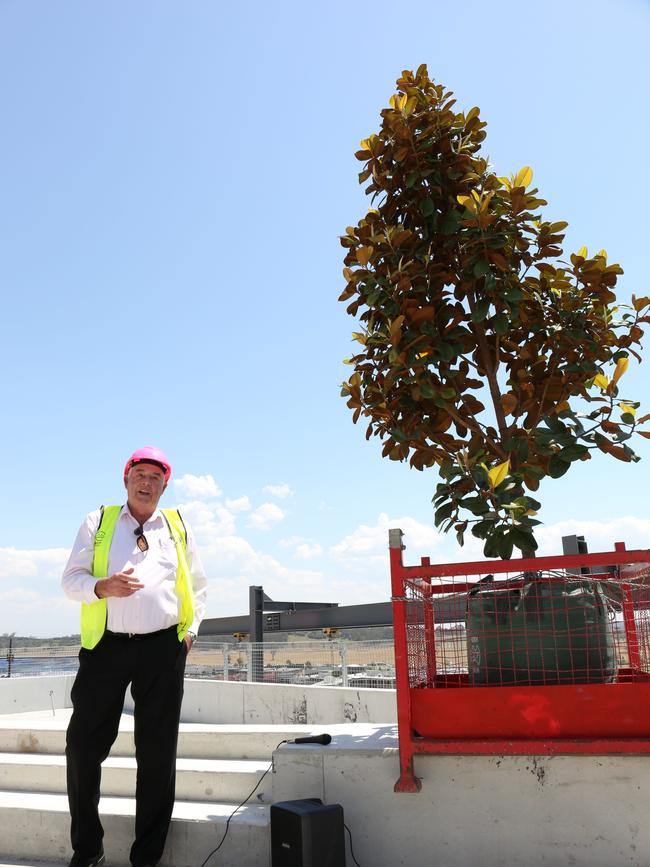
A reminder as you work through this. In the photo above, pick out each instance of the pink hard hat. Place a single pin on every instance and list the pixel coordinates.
(149, 455)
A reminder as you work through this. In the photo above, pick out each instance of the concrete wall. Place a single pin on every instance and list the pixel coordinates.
(218, 702)
(487, 811)
(23, 694)
(209, 701)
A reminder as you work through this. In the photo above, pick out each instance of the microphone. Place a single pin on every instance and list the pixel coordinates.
(324, 739)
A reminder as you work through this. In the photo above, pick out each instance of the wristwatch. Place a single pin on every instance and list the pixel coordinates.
(192, 635)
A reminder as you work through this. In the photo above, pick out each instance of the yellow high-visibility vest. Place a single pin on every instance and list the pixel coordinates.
(93, 615)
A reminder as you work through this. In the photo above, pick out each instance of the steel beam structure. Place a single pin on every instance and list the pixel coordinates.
(447, 610)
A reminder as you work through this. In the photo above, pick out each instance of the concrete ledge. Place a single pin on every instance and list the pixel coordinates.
(23, 694)
(219, 702)
(36, 826)
(225, 781)
(278, 704)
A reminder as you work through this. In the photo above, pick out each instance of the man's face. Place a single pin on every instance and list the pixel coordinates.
(145, 484)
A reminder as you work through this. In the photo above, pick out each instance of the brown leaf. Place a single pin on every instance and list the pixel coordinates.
(508, 402)
(421, 314)
(498, 259)
(640, 303)
(396, 330)
(364, 254)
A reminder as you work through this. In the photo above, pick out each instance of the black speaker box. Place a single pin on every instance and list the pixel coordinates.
(307, 833)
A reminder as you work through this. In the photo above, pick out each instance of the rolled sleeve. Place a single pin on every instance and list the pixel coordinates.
(199, 581)
(78, 582)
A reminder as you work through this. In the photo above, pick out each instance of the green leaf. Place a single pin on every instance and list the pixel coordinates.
(505, 547)
(573, 452)
(513, 294)
(427, 207)
(479, 474)
(555, 424)
(491, 547)
(450, 222)
(482, 528)
(557, 467)
(476, 505)
(500, 323)
(523, 540)
(445, 351)
(443, 513)
(481, 310)
(481, 268)
(518, 447)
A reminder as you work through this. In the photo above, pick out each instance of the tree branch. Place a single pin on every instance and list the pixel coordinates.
(490, 370)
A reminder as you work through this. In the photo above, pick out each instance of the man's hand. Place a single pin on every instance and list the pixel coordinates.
(119, 584)
(189, 641)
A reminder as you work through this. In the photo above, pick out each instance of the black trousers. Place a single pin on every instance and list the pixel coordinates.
(154, 666)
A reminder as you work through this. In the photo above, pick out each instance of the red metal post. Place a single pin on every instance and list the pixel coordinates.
(429, 635)
(630, 628)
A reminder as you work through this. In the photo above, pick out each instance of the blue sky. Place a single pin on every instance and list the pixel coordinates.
(173, 181)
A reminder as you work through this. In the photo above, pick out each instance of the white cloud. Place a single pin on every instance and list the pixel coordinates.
(279, 491)
(208, 520)
(368, 545)
(265, 516)
(290, 541)
(308, 552)
(241, 504)
(196, 487)
(31, 599)
(232, 565)
(599, 535)
(361, 560)
(21, 564)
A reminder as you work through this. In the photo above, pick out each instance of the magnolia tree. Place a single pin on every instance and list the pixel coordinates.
(482, 351)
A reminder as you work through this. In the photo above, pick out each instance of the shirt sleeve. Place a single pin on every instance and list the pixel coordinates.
(78, 581)
(199, 581)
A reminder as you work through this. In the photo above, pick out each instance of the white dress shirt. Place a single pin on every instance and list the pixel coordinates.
(154, 606)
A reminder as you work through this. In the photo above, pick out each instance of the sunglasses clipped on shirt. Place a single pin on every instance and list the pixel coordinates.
(141, 539)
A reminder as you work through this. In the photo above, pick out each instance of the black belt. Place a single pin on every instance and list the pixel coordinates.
(140, 636)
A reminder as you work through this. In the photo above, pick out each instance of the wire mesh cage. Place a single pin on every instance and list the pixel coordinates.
(541, 655)
(545, 627)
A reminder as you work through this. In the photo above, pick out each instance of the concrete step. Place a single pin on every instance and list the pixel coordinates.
(221, 780)
(32, 863)
(195, 740)
(36, 827)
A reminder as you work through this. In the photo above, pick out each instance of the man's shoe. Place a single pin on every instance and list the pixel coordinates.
(95, 861)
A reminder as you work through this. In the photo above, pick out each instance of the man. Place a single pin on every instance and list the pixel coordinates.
(137, 573)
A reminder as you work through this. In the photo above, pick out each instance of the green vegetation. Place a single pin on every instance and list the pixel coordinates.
(28, 641)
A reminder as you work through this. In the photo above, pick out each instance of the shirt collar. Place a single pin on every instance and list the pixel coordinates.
(155, 519)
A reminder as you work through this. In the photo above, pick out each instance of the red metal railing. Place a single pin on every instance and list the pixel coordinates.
(534, 656)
